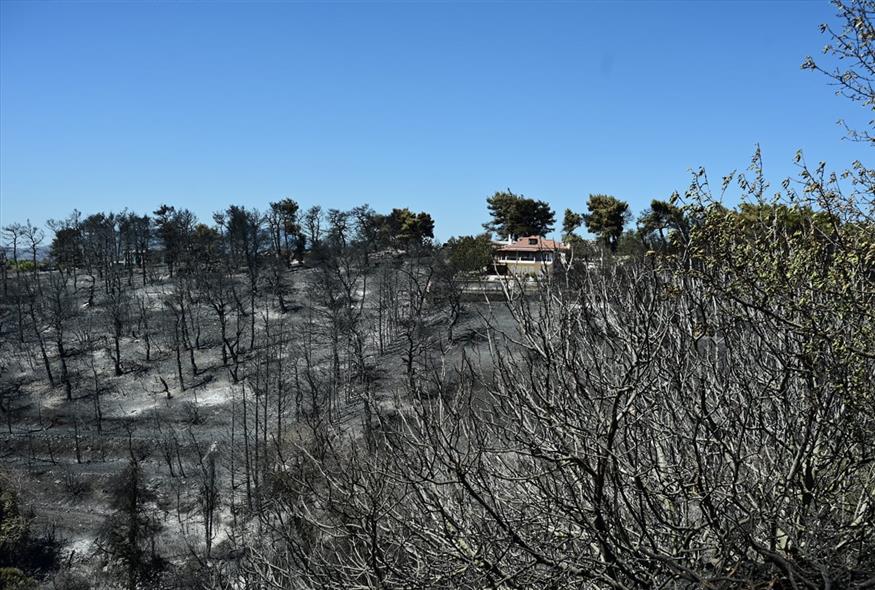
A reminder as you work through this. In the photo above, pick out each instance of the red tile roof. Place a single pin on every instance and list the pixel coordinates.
(542, 244)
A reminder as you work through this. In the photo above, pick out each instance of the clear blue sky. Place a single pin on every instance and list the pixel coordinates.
(432, 106)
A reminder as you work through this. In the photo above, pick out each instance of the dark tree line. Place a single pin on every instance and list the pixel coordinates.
(696, 412)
